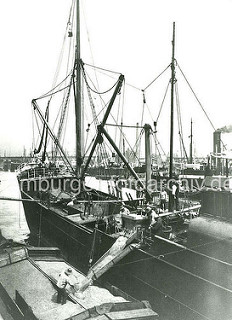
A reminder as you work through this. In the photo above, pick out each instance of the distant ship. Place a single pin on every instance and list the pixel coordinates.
(216, 196)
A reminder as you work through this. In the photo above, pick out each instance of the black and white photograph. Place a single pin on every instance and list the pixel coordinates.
(116, 160)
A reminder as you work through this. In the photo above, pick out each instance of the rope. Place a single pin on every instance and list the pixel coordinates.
(178, 118)
(63, 114)
(132, 86)
(156, 78)
(65, 126)
(89, 42)
(197, 98)
(144, 102)
(55, 92)
(33, 129)
(71, 17)
(137, 143)
(126, 83)
(93, 247)
(87, 84)
(165, 94)
(178, 301)
(38, 128)
(95, 116)
(179, 268)
(99, 68)
(157, 147)
(124, 136)
(117, 117)
(149, 112)
(180, 123)
(47, 94)
(158, 144)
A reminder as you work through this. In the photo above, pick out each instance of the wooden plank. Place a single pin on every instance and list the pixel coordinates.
(180, 211)
(132, 314)
(43, 251)
(134, 216)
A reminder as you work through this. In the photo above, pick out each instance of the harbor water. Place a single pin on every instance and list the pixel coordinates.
(13, 223)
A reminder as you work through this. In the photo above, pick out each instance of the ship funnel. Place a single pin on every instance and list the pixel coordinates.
(217, 149)
(217, 142)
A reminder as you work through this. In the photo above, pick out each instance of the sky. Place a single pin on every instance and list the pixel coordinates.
(132, 37)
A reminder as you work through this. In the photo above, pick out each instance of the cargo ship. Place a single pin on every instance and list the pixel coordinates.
(62, 209)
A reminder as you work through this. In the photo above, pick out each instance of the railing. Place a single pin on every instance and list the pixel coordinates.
(41, 172)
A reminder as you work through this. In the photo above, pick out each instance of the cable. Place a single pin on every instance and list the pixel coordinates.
(48, 95)
(156, 78)
(180, 123)
(174, 299)
(126, 83)
(99, 68)
(165, 94)
(196, 98)
(87, 84)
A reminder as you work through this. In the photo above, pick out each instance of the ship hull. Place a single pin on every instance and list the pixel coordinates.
(48, 227)
(217, 203)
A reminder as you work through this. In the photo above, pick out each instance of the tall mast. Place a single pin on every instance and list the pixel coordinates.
(191, 143)
(137, 144)
(78, 107)
(172, 104)
(147, 130)
(172, 114)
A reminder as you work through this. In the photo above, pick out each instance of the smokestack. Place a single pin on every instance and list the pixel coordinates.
(217, 150)
(217, 142)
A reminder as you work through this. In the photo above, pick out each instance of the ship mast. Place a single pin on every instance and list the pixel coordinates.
(78, 107)
(172, 104)
(173, 79)
(148, 162)
(191, 144)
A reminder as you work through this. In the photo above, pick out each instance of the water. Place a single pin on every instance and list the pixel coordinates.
(12, 219)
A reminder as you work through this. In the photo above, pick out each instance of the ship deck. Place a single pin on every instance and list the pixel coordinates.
(76, 218)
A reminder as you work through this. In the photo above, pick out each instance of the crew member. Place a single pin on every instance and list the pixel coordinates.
(175, 196)
(123, 209)
(163, 199)
(64, 279)
(156, 224)
(153, 217)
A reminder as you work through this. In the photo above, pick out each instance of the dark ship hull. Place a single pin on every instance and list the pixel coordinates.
(216, 196)
(217, 203)
(49, 227)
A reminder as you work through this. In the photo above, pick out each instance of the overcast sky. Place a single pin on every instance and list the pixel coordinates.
(129, 36)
